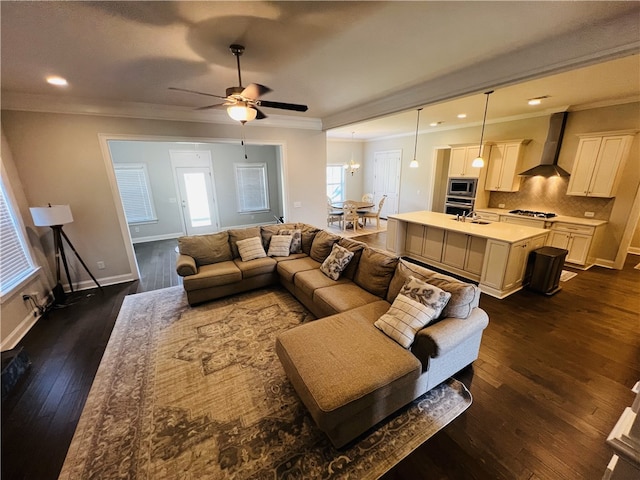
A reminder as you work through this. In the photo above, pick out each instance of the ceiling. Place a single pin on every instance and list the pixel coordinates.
(348, 61)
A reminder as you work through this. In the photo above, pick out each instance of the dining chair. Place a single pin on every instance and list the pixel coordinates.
(334, 215)
(375, 214)
(350, 215)
(367, 197)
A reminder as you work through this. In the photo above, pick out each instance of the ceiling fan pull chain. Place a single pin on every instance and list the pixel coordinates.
(244, 146)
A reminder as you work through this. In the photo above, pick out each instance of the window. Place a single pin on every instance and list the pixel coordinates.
(15, 262)
(135, 192)
(335, 183)
(251, 187)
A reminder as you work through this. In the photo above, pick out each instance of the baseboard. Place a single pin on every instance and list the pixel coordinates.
(155, 238)
(601, 262)
(88, 284)
(634, 250)
(19, 332)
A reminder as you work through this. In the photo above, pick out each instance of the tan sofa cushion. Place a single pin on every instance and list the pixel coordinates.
(322, 245)
(342, 297)
(241, 234)
(375, 271)
(206, 249)
(360, 366)
(355, 247)
(464, 296)
(308, 234)
(290, 268)
(213, 275)
(256, 267)
(310, 280)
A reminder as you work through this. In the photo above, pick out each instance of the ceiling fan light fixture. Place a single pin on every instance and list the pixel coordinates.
(241, 112)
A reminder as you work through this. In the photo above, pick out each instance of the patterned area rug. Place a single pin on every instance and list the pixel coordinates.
(195, 393)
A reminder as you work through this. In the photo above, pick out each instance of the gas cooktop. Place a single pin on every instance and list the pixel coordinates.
(531, 213)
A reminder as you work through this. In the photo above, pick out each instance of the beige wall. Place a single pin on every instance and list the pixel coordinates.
(16, 314)
(59, 159)
(417, 184)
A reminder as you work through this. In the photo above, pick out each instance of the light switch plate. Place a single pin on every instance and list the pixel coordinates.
(589, 214)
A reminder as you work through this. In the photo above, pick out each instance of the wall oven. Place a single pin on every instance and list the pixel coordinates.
(458, 205)
(462, 187)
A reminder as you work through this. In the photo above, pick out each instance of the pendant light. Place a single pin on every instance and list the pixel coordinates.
(352, 166)
(414, 162)
(478, 162)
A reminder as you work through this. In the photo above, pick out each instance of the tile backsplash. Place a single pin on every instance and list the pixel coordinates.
(549, 195)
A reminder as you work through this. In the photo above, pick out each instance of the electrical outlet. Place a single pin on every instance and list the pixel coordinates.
(101, 265)
(501, 205)
(297, 204)
(589, 214)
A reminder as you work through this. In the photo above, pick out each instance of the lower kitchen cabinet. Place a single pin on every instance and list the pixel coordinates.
(577, 239)
(505, 263)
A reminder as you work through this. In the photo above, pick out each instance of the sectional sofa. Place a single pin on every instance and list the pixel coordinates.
(368, 354)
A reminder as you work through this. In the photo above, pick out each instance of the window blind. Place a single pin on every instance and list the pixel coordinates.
(135, 193)
(251, 186)
(15, 264)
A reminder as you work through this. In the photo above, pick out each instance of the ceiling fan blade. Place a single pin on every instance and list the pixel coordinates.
(217, 105)
(284, 106)
(260, 114)
(196, 92)
(254, 91)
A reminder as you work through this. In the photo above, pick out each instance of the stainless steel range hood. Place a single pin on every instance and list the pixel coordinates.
(549, 162)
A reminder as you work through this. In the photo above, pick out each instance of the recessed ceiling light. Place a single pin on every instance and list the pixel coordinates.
(462, 115)
(57, 81)
(537, 100)
(435, 124)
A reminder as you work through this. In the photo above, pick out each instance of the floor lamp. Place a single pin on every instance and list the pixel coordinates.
(55, 216)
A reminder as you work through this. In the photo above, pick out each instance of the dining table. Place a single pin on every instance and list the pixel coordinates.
(359, 206)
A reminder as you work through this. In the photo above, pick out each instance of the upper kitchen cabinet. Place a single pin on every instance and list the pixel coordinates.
(599, 163)
(504, 164)
(460, 162)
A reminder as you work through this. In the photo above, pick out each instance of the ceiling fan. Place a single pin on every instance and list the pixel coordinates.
(242, 102)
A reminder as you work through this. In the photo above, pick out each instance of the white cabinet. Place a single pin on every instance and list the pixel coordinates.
(526, 221)
(460, 162)
(505, 162)
(577, 239)
(464, 252)
(599, 162)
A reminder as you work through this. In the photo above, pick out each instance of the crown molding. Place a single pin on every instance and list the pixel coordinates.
(84, 106)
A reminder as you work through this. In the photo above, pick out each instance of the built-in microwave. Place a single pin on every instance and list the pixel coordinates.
(462, 187)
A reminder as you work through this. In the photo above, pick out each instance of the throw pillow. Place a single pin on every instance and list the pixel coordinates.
(296, 239)
(322, 244)
(336, 262)
(426, 294)
(279, 246)
(404, 319)
(250, 248)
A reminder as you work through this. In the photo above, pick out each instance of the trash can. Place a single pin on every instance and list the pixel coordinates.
(545, 267)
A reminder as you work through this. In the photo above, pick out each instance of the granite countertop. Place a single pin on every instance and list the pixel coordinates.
(592, 222)
(506, 232)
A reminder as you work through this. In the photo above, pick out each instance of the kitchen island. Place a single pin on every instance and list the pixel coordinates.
(494, 254)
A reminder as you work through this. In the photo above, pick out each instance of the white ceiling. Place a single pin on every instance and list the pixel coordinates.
(348, 61)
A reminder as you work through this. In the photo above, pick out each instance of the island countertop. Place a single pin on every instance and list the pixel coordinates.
(506, 232)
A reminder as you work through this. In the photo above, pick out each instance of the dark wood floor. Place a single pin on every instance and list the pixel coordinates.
(157, 264)
(554, 375)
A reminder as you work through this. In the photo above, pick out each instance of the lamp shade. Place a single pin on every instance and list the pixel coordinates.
(51, 215)
(242, 112)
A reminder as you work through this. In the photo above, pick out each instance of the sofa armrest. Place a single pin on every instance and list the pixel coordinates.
(443, 336)
(186, 265)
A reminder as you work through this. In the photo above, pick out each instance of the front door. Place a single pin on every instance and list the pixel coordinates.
(194, 179)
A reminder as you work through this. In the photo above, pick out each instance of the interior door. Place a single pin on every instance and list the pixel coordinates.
(386, 180)
(193, 174)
